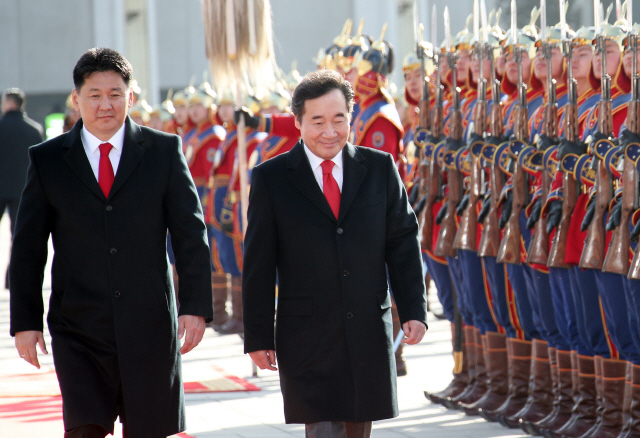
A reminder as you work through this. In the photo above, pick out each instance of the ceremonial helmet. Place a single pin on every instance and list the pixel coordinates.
(326, 58)
(374, 66)
(347, 55)
(204, 95)
(525, 37)
(294, 77)
(636, 30)
(225, 97)
(141, 109)
(181, 97)
(69, 102)
(136, 90)
(278, 97)
(584, 36)
(462, 40)
(165, 110)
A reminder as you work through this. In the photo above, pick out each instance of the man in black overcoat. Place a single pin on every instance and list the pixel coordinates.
(107, 192)
(328, 217)
(17, 133)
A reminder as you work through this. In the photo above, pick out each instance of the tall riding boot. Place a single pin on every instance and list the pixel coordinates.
(583, 414)
(519, 361)
(563, 400)
(496, 358)
(482, 373)
(539, 402)
(234, 325)
(401, 365)
(220, 294)
(460, 380)
(609, 423)
(631, 428)
(471, 352)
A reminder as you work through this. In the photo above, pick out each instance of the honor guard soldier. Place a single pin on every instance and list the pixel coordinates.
(326, 57)
(346, 63)
(519, 51)
(71, 116)
(226, 253)
(565, 210)
(140, 112)
(378, 123)
(162, 116)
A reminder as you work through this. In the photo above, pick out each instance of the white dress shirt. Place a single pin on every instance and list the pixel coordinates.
(92, 144)
(316, 166)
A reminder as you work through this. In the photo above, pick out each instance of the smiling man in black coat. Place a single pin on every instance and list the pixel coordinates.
(107, 192)
(328, 217)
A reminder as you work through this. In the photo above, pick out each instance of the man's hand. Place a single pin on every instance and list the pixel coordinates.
(26, 345)
(194, 325)
(264, 359)
(414, 331)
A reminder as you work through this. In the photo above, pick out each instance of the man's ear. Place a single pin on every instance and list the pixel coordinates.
(297, 122)
(74, 99)
(130, 103)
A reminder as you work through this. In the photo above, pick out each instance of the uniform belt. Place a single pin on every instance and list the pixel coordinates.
(220, 181)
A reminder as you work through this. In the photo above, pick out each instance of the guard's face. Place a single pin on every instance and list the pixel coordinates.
(613, 60)
(540, 64)
(413, 82)
(103, 101)
(462, 66)
(181, 115)
(581, 62)
(324, 126)
(225, 112)
(627, 62)
(512, 68)
(198, 113)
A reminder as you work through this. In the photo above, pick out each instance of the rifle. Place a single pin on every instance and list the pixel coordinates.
(509, 251)
(593, 253)
(433, 177)
(633, 125)
(466, 237)
(491, 230)
(569, 183)
(539, 246)
(444, 246)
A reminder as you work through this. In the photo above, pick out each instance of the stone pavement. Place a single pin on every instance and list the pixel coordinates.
(252, 414)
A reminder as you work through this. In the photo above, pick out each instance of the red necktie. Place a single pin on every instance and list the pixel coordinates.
(105, 170)
(330, 187)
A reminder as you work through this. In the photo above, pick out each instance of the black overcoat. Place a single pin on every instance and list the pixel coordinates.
(112, 311)
(333, 334)
(17, 133)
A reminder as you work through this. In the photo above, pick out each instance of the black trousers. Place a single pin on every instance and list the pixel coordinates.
(12, 206)
(338, 429)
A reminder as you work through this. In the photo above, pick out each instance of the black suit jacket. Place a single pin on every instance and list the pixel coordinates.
(17, 133)
(112, 311)
(333, 334)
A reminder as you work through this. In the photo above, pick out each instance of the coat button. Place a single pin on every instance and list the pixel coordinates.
(345, 273)
(339, 231)
(349, 315)
(117, 294)
(109, 208)
(113, 251)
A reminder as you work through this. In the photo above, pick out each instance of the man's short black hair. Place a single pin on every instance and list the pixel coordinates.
(15, 95)
(101, 59)
(317, 84)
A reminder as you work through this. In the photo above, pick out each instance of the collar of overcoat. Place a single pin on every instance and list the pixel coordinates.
(302, 177)
(132, 152)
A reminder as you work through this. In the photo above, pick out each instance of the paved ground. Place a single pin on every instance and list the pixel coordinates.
(252, 414)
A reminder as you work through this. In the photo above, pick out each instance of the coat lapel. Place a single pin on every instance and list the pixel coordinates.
(302, 177)
(76, 158)
(132, 152)
(354, 173)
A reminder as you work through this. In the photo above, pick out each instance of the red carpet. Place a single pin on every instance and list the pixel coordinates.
(199, 378)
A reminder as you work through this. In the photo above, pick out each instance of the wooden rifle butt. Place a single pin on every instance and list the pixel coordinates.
(539, 246)
(593, 252)
(466, 236)
(617, 258)
(559, 245)
(634, 269)
(448, 227)
(509, 251)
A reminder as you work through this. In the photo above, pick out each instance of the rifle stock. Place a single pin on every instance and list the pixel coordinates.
(509, 251)
(466, 237)
(448, 228)
(490, 238)
(593, 253)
